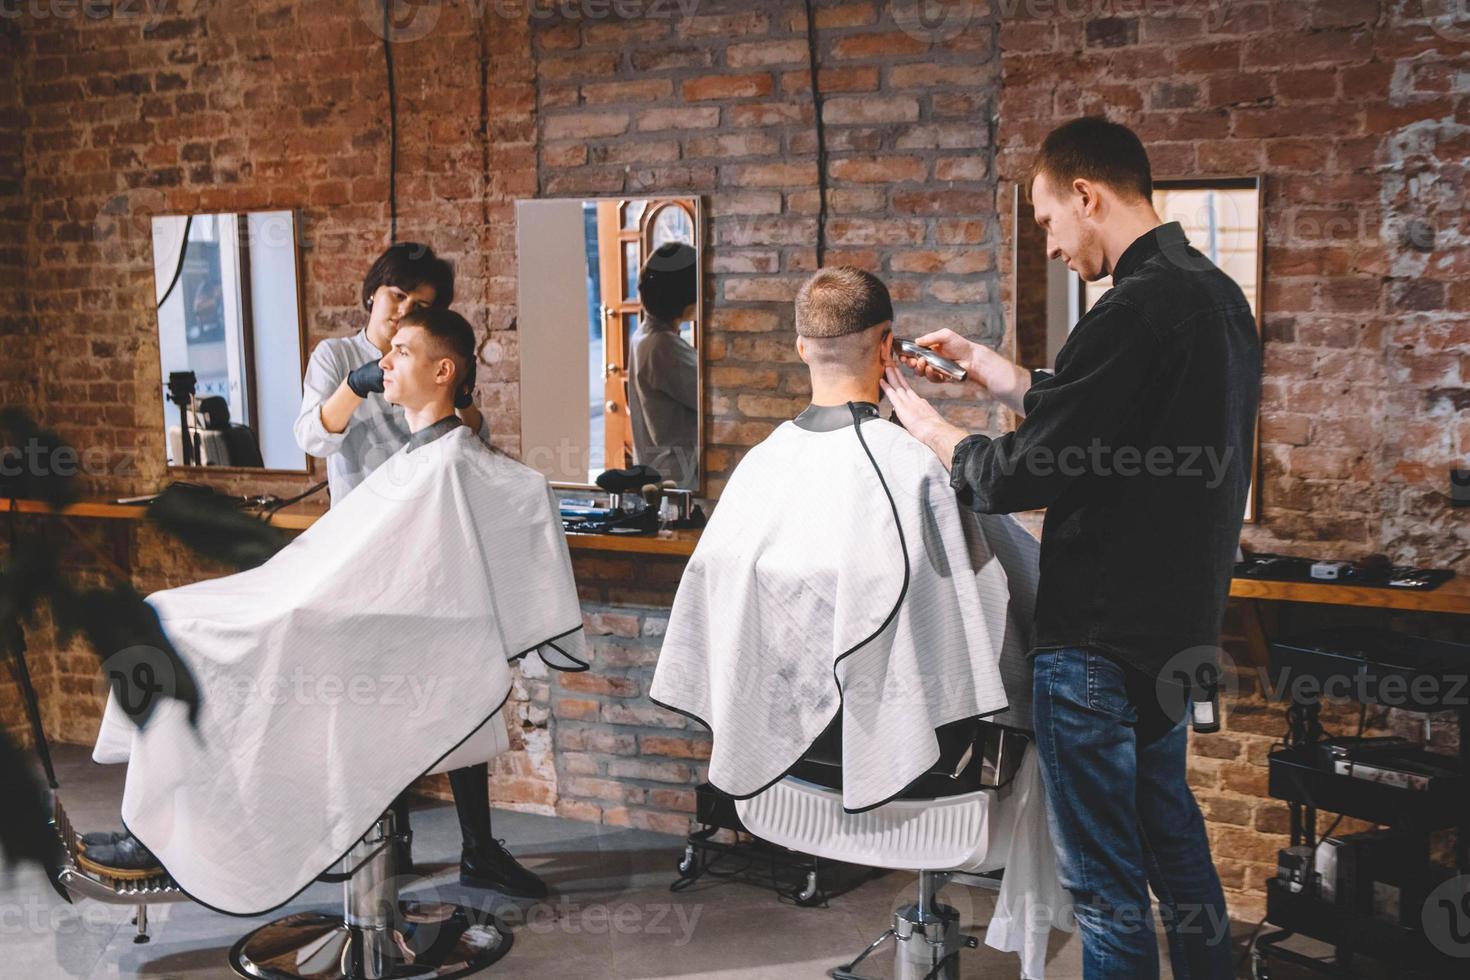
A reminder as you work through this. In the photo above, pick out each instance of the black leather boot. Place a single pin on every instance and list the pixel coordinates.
(490, 865)
(403, 845)
(484, 862)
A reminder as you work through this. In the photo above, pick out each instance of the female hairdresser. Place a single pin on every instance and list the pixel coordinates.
(345, 420)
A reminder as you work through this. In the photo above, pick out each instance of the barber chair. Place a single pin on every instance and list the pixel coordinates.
(377, 936)
(217, 440)
(950, 825)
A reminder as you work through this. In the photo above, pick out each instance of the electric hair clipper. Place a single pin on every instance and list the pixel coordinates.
(937, 361)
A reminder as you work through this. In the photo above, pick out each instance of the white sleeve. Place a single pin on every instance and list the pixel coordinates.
(322, 378)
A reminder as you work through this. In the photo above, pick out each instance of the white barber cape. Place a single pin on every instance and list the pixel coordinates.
(839, 574)
(372, 649)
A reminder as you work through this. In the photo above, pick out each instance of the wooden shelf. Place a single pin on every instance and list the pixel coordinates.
(676, 543)
(299, 516)
(1450, 597)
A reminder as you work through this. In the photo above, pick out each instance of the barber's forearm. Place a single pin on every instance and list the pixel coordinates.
(336, 410)
(1008, 384)
(942, 439)
(1015, 400)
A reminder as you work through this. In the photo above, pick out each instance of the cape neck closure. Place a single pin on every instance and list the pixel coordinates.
(826, 418)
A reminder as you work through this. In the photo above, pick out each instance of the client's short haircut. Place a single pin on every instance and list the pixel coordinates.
(668, 282)
(841, 300)
(1095, 149)
(407, 266)
(838, 313)
(450, 336)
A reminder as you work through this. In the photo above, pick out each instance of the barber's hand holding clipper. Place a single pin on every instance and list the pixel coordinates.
(993, 374)
(996, 376)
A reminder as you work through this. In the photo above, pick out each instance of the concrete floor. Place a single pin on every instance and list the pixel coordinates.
(611, 915)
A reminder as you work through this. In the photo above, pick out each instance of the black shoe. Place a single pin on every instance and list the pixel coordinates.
(127, 858)
(99, 837)
(490, 865)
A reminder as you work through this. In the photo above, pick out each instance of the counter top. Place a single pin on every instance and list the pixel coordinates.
(1451, 597)
(299, 516)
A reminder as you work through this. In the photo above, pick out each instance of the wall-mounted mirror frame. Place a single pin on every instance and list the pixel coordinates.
(553, 293)
(1048, 298)
(270, 398)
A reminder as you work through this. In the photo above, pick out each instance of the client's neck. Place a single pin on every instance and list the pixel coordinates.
(423, 416)
(841, 390)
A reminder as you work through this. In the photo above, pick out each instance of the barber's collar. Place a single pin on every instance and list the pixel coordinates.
(825, 418)
(433, 431)
(1167, 238)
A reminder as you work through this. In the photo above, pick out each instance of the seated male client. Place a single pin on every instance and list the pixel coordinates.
(841, 593)
(371, 650)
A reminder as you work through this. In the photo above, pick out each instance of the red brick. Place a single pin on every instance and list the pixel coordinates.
(767, 52)
(650, 120)
(726, 87)
(878, 169)
(896, 45)
(584, 125)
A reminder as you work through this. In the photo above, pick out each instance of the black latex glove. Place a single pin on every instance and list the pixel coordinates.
(365, 379)
(464, 398)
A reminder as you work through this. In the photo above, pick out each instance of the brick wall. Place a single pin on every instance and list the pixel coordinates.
(15, 376)
(720, 104)
(1355, 117)
(1357, 113)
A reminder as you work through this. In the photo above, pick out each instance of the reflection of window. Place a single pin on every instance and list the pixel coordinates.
(203, 321)
(595, 354)
(228, 311)
(1220, 222)
(671, 224)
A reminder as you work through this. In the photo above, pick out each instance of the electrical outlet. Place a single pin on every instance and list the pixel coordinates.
(1460, 488)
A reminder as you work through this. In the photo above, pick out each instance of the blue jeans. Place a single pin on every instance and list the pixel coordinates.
(1123, 819)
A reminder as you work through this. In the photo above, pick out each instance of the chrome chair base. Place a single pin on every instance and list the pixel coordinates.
(436, 940)
(926, 938)
(377, 937)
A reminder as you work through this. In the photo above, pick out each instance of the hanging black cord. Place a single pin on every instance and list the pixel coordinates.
(392, 129)
(270, 511)
(811, 53)
(179, 268)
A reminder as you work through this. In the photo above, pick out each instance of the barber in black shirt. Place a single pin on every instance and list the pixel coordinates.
(1139, 447)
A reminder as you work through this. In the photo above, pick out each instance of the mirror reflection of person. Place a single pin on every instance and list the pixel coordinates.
(663, 370)
(344, 418)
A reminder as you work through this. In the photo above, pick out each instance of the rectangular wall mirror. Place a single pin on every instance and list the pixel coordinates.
(230, 339)
(1222, 219)
(604, 384)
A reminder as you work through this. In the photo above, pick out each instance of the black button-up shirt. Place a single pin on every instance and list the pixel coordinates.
(1140, 447)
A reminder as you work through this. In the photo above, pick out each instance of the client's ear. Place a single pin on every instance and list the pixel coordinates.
(885, 348)
(801, 348)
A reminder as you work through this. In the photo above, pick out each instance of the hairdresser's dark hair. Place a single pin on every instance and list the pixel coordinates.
(452, 337)
(668, 282)
(407, 266)
(1093, 148)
